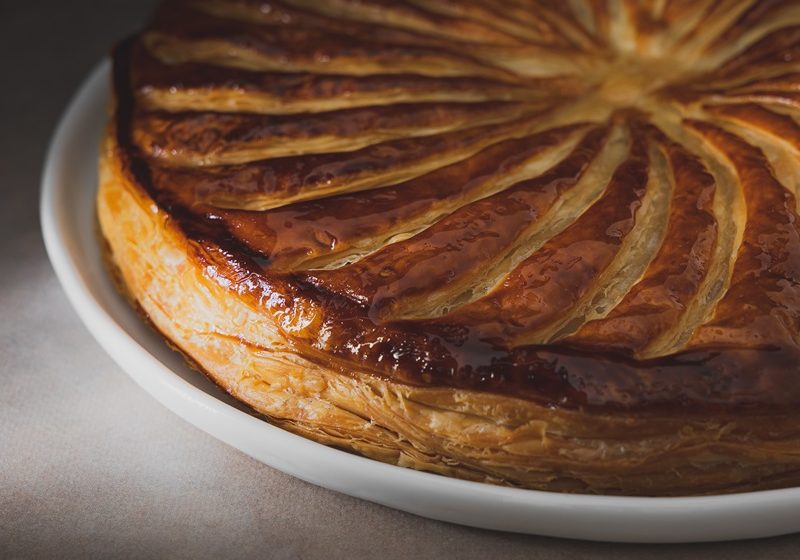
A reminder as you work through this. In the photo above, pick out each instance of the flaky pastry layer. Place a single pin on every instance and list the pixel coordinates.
(467, 434)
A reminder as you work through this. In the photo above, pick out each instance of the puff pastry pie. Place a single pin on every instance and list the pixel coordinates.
(549, 244)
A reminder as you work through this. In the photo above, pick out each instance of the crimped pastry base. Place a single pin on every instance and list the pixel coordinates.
(466, 434)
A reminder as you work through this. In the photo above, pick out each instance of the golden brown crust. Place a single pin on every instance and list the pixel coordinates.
(471, 435)
(521, 246)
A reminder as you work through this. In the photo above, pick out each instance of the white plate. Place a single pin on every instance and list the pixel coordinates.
(67, 214)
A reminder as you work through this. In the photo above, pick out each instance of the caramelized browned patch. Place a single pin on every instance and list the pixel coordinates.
(484, 232)
(203, 87)
(657, 302)
(752, 115)
(555, 277)
(361, 222)
(175, 38)
(191, 139)
(761, 306)
(276, 182)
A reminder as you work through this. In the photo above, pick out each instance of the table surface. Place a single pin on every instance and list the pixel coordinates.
(90, 465)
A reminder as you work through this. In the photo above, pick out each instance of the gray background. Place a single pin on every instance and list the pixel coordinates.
(90, 466)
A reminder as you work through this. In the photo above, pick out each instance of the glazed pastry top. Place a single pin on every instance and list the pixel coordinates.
(583, 203)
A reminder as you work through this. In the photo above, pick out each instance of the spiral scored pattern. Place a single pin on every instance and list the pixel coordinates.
(456, 186)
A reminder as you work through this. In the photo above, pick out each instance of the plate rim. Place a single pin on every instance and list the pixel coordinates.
(438, 497)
